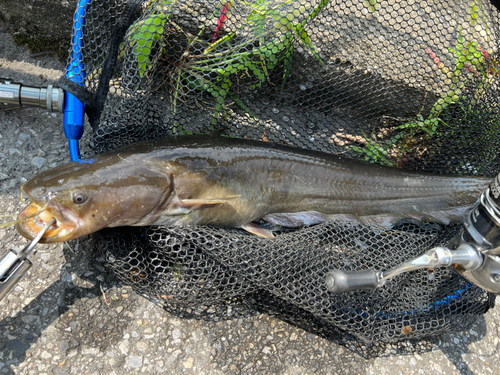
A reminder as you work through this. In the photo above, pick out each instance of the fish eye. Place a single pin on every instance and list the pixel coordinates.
(79, 198)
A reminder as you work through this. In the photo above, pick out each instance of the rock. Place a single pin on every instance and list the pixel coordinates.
(38, 161)
(3, 176)
(189, 362)
(24, 136)
(176, 334)
(9, 184)
(14, 151)
(124, 347)
(31, 319)
(18, 347)
(63, 346)
(247, 325)
(134, 361)
(90, 351)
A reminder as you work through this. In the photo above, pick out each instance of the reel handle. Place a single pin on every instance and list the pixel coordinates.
(338, 281)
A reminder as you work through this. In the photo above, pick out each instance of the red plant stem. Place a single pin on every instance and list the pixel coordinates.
(221, 20)
(485, 53)
(433, 56)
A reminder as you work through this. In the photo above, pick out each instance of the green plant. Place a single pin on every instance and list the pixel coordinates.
(391, 152)
(227, 59)
(471, 61)
(371, 5)
(375, 152)
(146, 36)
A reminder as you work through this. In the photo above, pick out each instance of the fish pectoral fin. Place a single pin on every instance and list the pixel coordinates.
(258, 230)
(296, 219)
(198, 204)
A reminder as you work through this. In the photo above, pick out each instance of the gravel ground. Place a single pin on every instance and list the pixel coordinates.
(57, 320)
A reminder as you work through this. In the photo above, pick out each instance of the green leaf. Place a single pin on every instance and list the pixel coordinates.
(146, 33)
(141, 58)
(302, 34)
(287, 65)
(158, 21)
(259, 25)
(316, 11)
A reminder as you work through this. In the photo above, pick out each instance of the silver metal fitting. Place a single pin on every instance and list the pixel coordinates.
(16, 95)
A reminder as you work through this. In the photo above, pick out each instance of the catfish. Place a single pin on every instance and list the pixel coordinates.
(229, 182)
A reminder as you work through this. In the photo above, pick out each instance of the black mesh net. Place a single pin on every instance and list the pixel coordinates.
(408, 84)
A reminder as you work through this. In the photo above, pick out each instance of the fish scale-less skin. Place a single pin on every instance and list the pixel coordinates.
(231, 182)
(285, 183)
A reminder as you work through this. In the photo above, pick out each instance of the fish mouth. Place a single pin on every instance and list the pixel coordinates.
(34, 218)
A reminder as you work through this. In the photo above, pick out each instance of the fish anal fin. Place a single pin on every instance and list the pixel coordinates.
(257, 230)
(390, 220)
(386, 221)
(296, 219)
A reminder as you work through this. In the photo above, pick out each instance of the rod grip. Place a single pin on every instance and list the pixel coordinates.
(339, 281)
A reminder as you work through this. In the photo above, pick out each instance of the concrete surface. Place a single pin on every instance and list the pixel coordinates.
(58, 321)
(40, 25)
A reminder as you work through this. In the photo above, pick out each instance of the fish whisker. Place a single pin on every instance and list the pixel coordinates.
(18, 221)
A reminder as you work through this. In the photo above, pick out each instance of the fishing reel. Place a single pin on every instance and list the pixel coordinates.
(474, 253)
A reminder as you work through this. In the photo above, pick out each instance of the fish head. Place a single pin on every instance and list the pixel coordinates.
(87, 196)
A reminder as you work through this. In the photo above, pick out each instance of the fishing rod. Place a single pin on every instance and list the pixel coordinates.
(17, 95)
(13, 265)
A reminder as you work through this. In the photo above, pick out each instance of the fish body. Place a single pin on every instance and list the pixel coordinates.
(231, 183)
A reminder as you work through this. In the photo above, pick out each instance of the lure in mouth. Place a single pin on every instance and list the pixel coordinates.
(34, 218)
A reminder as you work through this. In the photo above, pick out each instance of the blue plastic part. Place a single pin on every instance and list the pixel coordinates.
(73, 123)
(74, 108)
(432, 307)
(74, 150)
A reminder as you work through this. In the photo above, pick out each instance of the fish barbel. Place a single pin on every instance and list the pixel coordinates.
(231, 182)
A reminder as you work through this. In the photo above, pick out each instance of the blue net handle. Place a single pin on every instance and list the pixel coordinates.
(73, 107)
